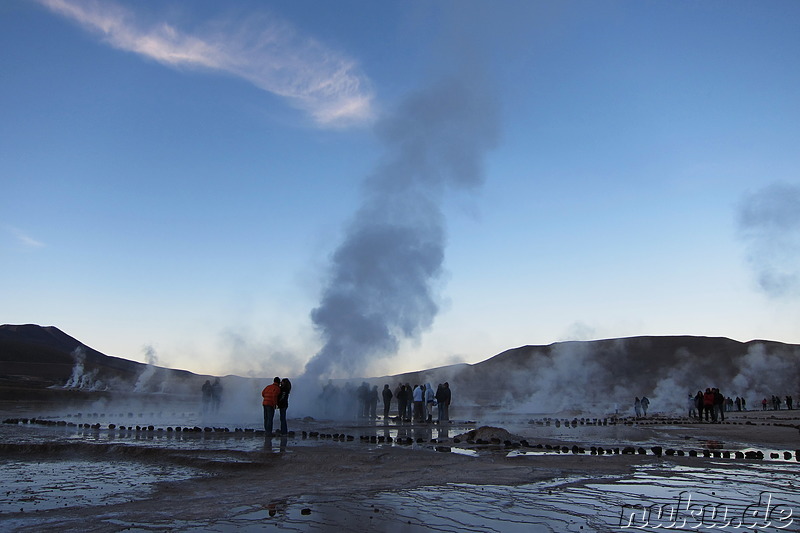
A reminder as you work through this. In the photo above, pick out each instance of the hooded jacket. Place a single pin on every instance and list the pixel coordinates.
(418, 394)
(430, 394)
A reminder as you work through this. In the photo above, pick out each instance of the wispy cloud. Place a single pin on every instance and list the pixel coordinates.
(267, 52)
(769, 221)
(23, 238)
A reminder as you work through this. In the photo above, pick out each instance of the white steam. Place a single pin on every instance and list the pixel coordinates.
(80, 379)
(149, 372)
(381, 287)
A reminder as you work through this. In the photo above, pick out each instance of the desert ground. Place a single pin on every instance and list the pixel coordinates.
(83, 471)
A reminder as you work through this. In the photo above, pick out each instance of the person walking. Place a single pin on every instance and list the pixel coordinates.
(270, 396)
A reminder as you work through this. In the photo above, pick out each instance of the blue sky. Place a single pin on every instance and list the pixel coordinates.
(177, 176)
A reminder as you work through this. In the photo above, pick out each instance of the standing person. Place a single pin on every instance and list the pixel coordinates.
(206, 395)
(692, 407)
(708, 405)
(363, 400)
(409, 401)
(373, 402)
(440, 402)
(700, 405)
(430, 401)
(283, 403)
(270, 396)
(216, 395)
(719, 407)
(645, 405)
(387, 401)
(637, 405)
(446, 395)
(419, 400)
(400, 392)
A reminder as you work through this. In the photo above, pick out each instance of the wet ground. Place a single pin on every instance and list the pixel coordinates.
(80, 473)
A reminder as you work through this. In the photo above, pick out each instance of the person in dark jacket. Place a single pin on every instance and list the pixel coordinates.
(443, 396)
(283, 403)
(400, 394)
(206, 396)
(698, 399)
(387, 401)
(216, 395)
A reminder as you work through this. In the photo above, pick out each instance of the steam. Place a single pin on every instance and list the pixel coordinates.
(149, 370)
(571, 379)
(381, 287)
(80, 379)
(764, 373)
(769, 222)
(605, 376)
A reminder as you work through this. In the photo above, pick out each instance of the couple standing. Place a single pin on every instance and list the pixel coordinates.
(275, 396)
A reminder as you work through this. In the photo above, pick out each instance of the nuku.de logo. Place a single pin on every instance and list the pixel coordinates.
(689, 512)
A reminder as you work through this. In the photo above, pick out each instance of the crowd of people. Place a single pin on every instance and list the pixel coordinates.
(776, 403)
(712, 405)
(709, 404)
(411, 403)
(416, 403)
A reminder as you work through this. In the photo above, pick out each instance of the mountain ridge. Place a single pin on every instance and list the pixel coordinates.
(42, 361)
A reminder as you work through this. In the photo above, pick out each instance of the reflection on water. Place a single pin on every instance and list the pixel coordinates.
(577, 504)
(697, 497)
(49, 484)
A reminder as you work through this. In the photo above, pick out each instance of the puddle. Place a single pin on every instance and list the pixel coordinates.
(42, 485)
(698, 498)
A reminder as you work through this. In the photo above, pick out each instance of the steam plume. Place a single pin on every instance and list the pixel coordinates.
(381, 284)
(769, 221)
(80, 379)
(149, 371)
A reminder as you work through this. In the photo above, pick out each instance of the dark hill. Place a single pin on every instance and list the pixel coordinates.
(44, 363)
(599, 374)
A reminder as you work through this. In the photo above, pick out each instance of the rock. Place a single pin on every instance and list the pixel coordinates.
(657, 450)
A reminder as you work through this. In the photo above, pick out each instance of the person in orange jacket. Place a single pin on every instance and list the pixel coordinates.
(270, 395)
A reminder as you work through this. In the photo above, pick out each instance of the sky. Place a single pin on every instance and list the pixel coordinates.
(363, 188)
